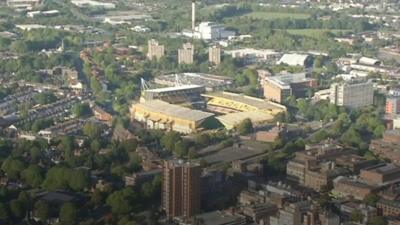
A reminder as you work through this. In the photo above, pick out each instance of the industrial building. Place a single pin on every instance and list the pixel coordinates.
(23, 4)
(213, 31)
(157, 114)
(206, 30)
(214, 55)
(209, 31)
(186, 54)
(155, 50)
(209, 81)
(238, 107)
(181, 188)
(279, 88)
(295, 60)
(251, 55)
(184, 94)
(354, 94)
(93, 4)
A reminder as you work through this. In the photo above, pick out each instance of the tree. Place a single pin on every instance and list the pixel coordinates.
(356, 216)
(169, 139)
(318, 62)
(33, 175)
(78, 179)
(41, 124)
(45, 98)
(56, 178)
(92, 130)
(4, 214)
(82, 110)
(252, 76)
(371, 199)
(17, 208)
(12, 167)
(378, 220)
(42, 211)
(202, 139)
(36, 154)
(68, 214)
(192, 153)
(97, 198)
(181, 148)
(121, 202)
(241, 80)
(245, 127)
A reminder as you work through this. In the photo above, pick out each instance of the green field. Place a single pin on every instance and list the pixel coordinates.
(276, 15)
(314, 32)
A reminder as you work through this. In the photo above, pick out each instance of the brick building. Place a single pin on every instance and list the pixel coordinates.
(389, 207)
(381, 174)
(322, 176)
(308, 160)
(345, 187)
(279, 88)
(393, 105)
(181, 188)
(388, 147)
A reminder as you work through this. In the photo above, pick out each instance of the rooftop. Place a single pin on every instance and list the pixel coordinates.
(162, 107)
(251, 103)
(284, 80)
(293, 59)
(356, 183)
(219, 218)
(176, 88)
(257, 116)
(384, 169)
(207, 80)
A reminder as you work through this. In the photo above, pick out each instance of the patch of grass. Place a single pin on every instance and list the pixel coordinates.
(315, 33)
(276, 15)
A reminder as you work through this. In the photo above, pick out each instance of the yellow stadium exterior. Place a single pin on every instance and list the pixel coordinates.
(168, 117)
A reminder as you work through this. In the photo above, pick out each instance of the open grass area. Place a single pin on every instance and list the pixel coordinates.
(276, 15)
(314, 32)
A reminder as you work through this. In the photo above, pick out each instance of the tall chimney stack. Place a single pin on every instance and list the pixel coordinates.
(193, 15)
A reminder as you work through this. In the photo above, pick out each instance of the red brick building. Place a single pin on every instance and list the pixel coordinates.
(181, 188)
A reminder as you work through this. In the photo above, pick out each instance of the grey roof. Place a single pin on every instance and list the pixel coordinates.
(219, 218)
(174, 110)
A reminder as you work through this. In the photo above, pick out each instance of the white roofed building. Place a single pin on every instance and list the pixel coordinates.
(23, 4)
(209, 31)
(369, 61)
(295, 59)
(93, 4)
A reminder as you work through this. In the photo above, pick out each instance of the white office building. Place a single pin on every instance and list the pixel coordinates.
(354, 94)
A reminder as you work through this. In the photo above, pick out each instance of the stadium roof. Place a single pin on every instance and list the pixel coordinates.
(256, 117)
(177, 111)
(252, 103)
(175, 88)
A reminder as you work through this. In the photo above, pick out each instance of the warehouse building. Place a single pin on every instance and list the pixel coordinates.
(296, 60)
